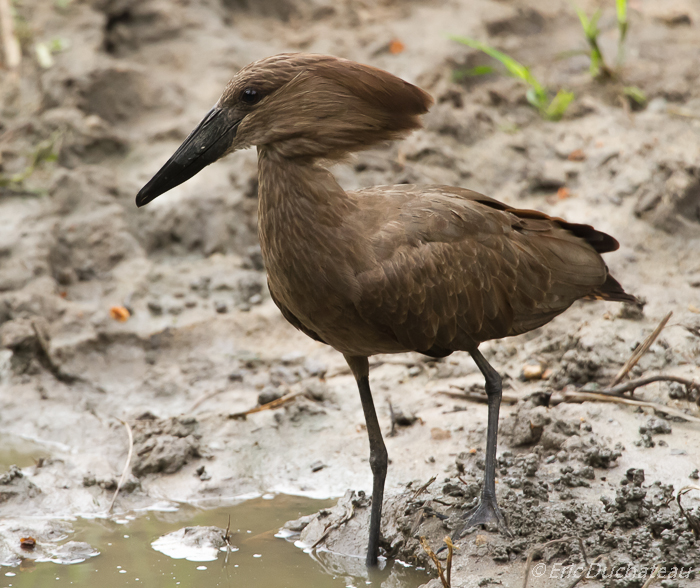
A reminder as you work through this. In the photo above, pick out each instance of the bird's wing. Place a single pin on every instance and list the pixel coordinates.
(452, 268)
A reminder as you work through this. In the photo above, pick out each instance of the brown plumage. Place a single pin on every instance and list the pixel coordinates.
(388, 269)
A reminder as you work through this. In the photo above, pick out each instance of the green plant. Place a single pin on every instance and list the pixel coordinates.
(537, 95)
(45, 151)
(621, 6)
(599, 68)
(591, 32)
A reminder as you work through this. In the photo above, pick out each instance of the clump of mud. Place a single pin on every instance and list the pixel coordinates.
(539, 493)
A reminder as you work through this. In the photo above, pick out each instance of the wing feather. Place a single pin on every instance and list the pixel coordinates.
(454, 268)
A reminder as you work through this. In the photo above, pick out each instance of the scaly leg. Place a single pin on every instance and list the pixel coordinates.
(487, 510)
(378, 458)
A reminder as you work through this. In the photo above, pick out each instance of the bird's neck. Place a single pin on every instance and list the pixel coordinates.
(298, 198)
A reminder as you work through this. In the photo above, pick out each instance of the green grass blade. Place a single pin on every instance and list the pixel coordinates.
(558, 106)
(515, 68)
(636, 94)
(480, 70)
(622, 26)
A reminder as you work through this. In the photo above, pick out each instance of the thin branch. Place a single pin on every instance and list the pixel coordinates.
(125, 471)
(694, 524)
(640, 351)
(479, 396)
(540, 548)
(651, 579)
(11, 47)
(269, 406)
(422, 489)
(204, 397)
(450, 550)
(588, 396)
(632, 384)
(436, 561)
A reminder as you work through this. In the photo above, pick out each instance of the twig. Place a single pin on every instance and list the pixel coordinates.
(640, 351)
(436, 561)
(651, 579)
(204, 397)
(588, 396)
(269, 406)
(392, 433)
(330, 528)
(538, 549)
(632, 384)
(694, 524)
(422, 489)
(450, 550)
(11, 47)
(478, 396)
(125, 471)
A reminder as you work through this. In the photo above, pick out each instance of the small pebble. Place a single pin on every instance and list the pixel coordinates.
(317, 466)
(220, 307)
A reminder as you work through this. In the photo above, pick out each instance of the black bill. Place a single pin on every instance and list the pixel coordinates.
(207, 143)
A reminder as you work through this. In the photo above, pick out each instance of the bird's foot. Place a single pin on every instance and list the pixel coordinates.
(486, 511)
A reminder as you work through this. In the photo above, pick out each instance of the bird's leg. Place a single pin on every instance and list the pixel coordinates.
(378, 458)
(487, 511)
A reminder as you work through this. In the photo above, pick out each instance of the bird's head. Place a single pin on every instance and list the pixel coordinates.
(301, 106)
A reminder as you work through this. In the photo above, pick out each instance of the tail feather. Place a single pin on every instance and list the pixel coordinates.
(613, 291)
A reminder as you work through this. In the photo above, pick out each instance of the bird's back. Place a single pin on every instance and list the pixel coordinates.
(452, 268)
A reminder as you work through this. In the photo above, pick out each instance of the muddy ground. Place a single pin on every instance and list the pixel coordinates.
(204, 341)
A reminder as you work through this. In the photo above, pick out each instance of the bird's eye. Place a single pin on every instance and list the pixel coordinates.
(250, 96)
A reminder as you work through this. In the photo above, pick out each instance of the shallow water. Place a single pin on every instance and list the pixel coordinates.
(20, 452)
(262, 560)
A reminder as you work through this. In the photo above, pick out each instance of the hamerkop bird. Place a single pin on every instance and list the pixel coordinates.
(389, 269)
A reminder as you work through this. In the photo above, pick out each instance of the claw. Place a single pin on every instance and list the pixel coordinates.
(486, 511)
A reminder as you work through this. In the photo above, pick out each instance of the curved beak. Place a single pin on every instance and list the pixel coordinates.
(210, 141)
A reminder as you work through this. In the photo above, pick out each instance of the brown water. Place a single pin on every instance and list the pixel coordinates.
(20, 452)
(262, 560)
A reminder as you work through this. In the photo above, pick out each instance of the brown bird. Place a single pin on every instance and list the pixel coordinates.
(388, 269)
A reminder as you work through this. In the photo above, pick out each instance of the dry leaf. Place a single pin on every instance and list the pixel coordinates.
(694, 309)
(577, 155)
(396, 47)
(119, 313)
(563, 193)
(27, 543)
(439, 434)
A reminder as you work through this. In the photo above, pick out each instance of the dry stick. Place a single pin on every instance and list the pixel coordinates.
(422, 489)
(450, 550)
(587, 396)
(632, 384)
(694, 525)
(641, 350)
(478, 396)
(436, 561)
(334, 526)
(651, 579)
(540, 548)
(125, 471)
(269, 406)
(204, 397)
(11, 47)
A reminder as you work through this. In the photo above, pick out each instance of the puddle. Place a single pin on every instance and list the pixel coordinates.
(20, 452)
(127, 557)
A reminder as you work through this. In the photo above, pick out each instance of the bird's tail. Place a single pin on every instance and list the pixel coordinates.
(612, 290)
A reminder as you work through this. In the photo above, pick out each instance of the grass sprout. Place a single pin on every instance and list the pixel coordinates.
(621, 6)
(591, 31)
(635, 94)
(537, 94)
(599, 68)
(45, 151)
